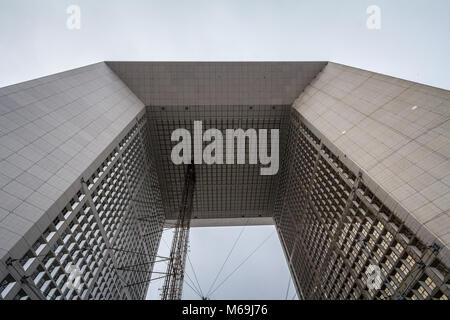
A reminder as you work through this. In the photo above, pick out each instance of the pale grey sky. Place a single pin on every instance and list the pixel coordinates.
(413, 43)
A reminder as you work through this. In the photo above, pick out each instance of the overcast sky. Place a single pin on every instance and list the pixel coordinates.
(256, 267)
(413, 43)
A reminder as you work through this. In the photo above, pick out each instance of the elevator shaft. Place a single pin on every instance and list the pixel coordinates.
(173, 283)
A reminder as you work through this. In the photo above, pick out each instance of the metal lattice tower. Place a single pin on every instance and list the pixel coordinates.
(173, 284)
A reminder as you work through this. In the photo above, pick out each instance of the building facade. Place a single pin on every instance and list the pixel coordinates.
(87, 183)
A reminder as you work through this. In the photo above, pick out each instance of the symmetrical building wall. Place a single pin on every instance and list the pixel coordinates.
(110, 229)
(78, 187)
(333, 224)
(366, 182)
(53, 130)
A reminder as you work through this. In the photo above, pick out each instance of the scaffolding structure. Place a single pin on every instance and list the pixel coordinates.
(173, 283)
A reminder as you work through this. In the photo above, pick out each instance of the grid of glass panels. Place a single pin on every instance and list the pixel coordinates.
(222, 191)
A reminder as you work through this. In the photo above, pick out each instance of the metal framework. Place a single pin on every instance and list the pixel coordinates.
(173, 283)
